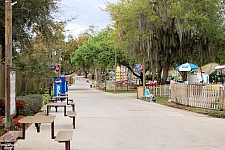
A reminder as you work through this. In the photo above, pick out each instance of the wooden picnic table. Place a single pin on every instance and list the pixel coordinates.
(38, 120)
(56, 105)
(62, 96)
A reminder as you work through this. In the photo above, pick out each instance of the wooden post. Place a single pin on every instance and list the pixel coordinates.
(222, 97)
(187, 98)
(160, 91)
(8, 59)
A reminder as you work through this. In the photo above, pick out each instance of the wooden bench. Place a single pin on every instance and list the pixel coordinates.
(64, 136)
(70, 100)
(73, 115)
(61, 97)
(53, 100)
(37, 125)
(56, 105)
(10, 138)
(73, 106)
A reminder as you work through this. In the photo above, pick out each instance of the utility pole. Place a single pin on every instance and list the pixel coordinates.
(8, 58)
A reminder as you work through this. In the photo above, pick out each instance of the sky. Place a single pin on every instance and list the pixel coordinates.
(86, 13)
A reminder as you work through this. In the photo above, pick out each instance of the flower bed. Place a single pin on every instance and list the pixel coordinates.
(25, 106)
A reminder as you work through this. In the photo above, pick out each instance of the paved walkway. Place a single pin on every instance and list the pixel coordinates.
(121, 122)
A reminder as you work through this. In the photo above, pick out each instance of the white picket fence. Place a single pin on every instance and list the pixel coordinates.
(202, 96)
(210, 97)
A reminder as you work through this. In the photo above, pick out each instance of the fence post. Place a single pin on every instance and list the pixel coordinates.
(222, 96)
(187, 95)
(160, 91)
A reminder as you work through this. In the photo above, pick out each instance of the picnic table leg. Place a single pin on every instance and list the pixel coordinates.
(52, 129)
(67, 101)
(64, 110)
(73, 107)
(48, 110)
(37, 125)
(23, 134)
(67, 145)
(74, 122)
(56, 108)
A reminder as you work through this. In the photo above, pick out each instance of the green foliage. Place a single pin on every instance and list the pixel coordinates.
(45, 99)
(40, 91)
(25, 15)
(148, 77)
(122, 91)
(43, 91)
(32, 60)
(97, 52)
(33, 104)
(163, 32)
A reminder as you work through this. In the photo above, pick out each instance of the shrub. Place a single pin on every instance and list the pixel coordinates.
(2, 126)
(45, 99)
(40, 91)
(33, 104)
(15, 124)
(2, 106)
(19, 107)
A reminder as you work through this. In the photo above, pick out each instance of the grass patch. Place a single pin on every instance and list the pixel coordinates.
(209, 112)
(162, 101)
(122, 91)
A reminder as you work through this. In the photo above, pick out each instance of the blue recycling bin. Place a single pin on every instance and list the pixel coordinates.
(66, 86)
(59, 85)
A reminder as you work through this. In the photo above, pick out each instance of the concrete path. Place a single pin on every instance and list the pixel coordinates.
(108, 121)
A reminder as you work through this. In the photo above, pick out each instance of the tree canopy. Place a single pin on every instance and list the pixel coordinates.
(163, 33)
(168, 33)
(25, 15)
(96, 52)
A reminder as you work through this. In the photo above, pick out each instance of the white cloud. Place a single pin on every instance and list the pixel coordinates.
(86, 12)
(74, 29)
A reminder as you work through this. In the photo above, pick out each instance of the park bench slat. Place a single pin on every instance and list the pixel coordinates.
(63, 136)
(73, 115)
(10, 136)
